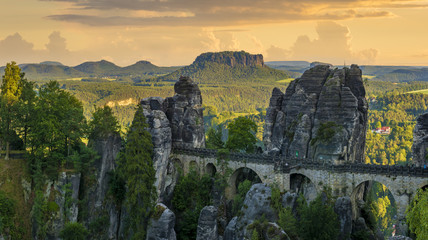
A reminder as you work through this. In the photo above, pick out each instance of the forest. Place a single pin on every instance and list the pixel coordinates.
(54, 121)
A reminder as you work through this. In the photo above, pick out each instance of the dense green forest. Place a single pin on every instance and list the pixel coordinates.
(51, 119)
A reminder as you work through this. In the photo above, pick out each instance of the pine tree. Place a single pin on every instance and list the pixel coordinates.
(103, 123)
(136, 166)
(214, 138)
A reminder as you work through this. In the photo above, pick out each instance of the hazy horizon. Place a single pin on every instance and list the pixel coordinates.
(175, 32)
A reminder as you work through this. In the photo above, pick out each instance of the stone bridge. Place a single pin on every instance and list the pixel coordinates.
(344, 180)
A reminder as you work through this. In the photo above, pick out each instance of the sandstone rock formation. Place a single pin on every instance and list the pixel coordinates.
(420, 141)
(256, 204)
(162, 227)
(160, 129)
(322, 116)
(97, 202)
(232, 58)
(185, 114)
(66, 193)
(343, 209)
(399, 237)
(207, 224)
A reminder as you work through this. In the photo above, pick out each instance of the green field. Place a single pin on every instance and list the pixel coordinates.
(423, 91)
(287, 80)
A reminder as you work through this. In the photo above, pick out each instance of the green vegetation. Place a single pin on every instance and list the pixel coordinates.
(136, 168)
(417, 215)
(74, 231)
(191, 194)
(103, 123)
(227, 67)
(241, 135)
(239, 198)
(325, 132)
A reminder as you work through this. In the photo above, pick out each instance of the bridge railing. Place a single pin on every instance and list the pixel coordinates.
(285, 165)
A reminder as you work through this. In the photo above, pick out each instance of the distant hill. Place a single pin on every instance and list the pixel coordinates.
(228, 67)
(405, 75)
(102, 67)
(147, 67)
(50, 70)
(52, 63)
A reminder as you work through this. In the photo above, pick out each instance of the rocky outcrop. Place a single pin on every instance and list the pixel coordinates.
(160, 130)
(185, 114)
(321, 116)
(231, 58)
(256, 204)
(65, 192)
(420, 141)
(162, 224)
(399, 238)
(98, 204)
(207, 224)
(343, 209)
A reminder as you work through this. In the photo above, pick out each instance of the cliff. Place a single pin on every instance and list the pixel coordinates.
(420, 140)
(174, 121)
(228, 67)
(321, 116)
(231, 58)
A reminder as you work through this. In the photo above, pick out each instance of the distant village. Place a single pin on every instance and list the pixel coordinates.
(382, 130)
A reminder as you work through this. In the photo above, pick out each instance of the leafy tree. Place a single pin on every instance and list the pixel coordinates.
(417, 215)
(103, 123)
(214, 138)
(136, 165)
(26, 106)
(73, 231)
(318, 219)
(10, 91)
(7, 213)
(239, 198)
(191, 194)
(242, 135)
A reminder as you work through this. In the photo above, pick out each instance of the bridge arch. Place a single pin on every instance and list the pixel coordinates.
(383, 197)
(210, 169)
(302, 184)
(239, 175)
(193, 166)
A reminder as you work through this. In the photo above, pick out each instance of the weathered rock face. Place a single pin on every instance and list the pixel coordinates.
(207, 224)
(343, 209)
(420, 140)
(160, 129)
(98, 205)
(185, 114)
(232, 58)
(399, 238)
(256, 204)
(162, 228)
(66, 193)
(322, 116)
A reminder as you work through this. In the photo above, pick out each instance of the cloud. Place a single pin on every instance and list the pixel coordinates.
(15, 48)
(222, 12)
(332, 45)
(219, 40)
(275, 53)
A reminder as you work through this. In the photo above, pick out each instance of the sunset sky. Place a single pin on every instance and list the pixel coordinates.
(174, 32)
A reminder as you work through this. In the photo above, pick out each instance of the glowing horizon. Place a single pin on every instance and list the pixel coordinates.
(175, 32)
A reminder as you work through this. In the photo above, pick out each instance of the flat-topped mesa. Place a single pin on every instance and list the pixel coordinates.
(420, 141)
(322, 116)
(232, 58)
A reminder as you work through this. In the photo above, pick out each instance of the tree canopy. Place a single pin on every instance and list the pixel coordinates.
(242, 137)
